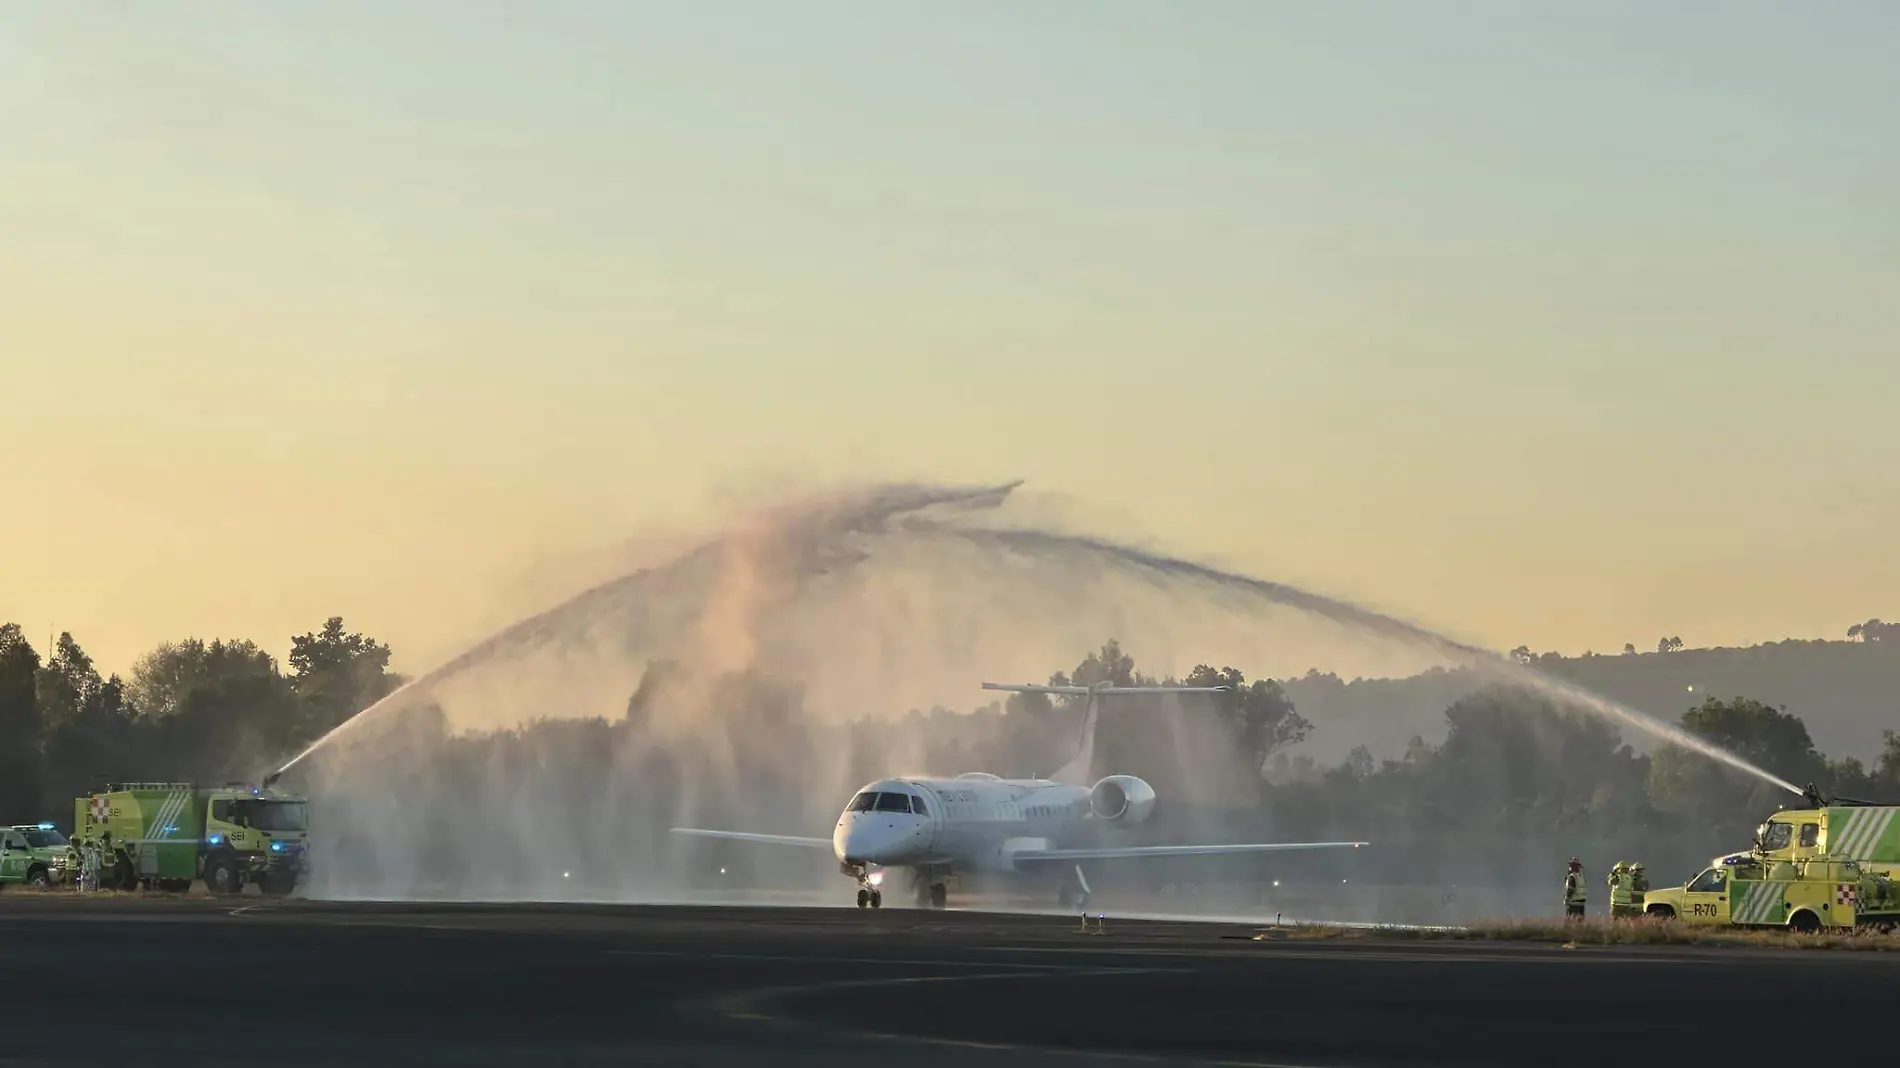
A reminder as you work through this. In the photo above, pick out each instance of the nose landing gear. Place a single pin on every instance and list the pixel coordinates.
(869, 896)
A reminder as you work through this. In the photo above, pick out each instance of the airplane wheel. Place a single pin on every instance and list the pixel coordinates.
(877, 899)
(864, 898)
(939, 895)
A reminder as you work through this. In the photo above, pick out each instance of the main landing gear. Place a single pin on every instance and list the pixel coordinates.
(1074, 891)
(930, 887)
(870, 897)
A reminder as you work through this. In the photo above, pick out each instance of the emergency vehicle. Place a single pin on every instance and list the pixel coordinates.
(1869, 834)
(167, 834)
(1804, 895)
(34, 854)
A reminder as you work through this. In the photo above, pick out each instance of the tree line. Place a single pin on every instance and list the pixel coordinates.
(192, 710)
(1515, 782)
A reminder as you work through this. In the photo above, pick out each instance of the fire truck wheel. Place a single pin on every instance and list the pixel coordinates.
(277, 885)
(1805, 922)
(38, 878)
(221, 875)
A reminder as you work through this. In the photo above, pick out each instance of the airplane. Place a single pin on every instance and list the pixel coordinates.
(978, 823)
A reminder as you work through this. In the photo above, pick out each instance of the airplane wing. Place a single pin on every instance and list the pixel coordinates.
(768, 839)
(1119, 852)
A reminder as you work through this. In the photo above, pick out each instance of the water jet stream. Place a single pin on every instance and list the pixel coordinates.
(784, 548)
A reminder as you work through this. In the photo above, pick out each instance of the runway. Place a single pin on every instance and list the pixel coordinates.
(250, 981)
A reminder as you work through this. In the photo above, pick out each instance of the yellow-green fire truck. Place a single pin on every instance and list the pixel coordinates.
(1805, 895)
(167, 834)
(1868, 834)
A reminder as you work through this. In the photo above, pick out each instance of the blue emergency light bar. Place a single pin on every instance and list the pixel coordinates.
(46, 826)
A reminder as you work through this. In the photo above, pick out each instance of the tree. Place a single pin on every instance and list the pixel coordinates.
(66, 685)
(1522, 654)
(1721, 797)
(1260, 713)
(163, 679)
(1871, 631)
(99, 742)
(1669, 645)
(337, 674)
(1887, 765)
(1629, 648)
(20, 729)
(1110, 665)
(213, 710)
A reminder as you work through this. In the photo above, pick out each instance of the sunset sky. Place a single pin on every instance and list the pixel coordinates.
(1565, 324)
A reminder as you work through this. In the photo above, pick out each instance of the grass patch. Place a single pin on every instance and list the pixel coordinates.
(1595, 932)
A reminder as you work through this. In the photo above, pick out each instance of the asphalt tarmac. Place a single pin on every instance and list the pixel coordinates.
(125, 981)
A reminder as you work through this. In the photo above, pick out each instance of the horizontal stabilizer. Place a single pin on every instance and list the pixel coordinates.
(1100, 691)
(765, 839)
(1119, 852)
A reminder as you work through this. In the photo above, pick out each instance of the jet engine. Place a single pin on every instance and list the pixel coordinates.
(1122, 799)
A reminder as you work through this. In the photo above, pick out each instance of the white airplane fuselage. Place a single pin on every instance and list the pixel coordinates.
(978, 823)
(972, 823)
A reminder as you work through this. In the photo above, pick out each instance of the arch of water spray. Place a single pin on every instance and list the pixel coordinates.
(797, 539)
(878, 600)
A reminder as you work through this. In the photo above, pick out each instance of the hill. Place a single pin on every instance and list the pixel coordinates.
(1847, 692)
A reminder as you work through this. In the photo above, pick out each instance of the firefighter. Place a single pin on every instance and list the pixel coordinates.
(1621, 906)
(1574, 894)
(1639, 884)
(88, 866)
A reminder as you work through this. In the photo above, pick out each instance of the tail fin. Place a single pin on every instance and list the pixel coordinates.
(1080, 771)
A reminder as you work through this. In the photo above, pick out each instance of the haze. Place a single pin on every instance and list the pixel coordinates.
(1562, 324)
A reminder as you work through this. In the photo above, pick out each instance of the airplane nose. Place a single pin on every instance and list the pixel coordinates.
(868, 841)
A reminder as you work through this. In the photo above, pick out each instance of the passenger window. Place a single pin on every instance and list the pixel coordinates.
(893, 802)
(1710, 882)
(1810, 834)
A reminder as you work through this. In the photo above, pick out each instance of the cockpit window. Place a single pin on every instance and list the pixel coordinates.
(893, 802)
(862, 803)
(917, 806)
